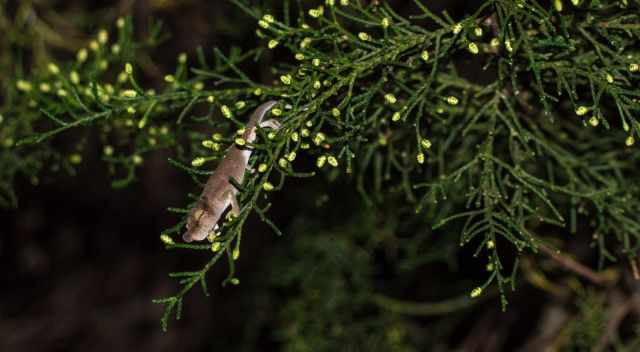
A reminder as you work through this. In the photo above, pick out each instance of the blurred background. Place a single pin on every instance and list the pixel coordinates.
(81, 261)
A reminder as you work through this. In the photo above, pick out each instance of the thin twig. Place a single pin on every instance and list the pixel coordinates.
(634, 268)
(428, 308)
(572, 265)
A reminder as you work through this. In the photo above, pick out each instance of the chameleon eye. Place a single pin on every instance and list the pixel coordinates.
(197, 214)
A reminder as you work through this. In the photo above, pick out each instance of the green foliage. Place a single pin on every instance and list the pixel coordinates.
(326, 290)
(388, 101)
(329, 288)
(589, 325)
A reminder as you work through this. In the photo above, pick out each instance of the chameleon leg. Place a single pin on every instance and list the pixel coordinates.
(235, 206)
(271, 123)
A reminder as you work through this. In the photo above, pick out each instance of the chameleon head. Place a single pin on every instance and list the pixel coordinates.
(199, 223)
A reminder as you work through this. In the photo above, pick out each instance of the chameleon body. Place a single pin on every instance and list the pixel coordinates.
(219, 193)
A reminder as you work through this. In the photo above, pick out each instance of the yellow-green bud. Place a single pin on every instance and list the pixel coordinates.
(53, 68)
(321, 161)
(182, 58)
(226, 111)
(507, 44)
(269, 18)
(267, 186)
(103, 36)
(129, 93)
(137, 159)
(74, 77)
(390, 98)
(558, 5)
(581, 110)
(609, 78)
(476, 292)
(286, 79)
(305, 42)
(197, 162)
(75, 158)
(317, 12)
(630, 141)
(24, 85)
(473, 48)
(107, 150)
(166, 239)
(82, 54)
(319, 138)
(364, 36)
(424, 55)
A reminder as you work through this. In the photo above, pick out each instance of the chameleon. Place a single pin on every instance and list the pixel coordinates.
(218, 193)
